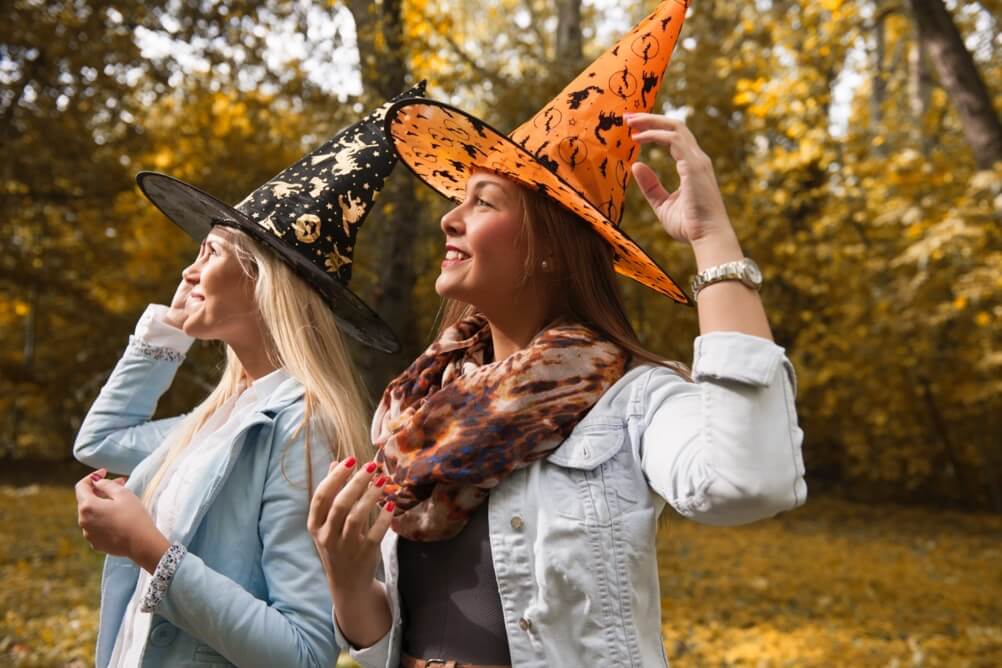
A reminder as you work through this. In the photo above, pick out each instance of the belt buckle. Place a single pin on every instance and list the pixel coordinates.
(433, 662)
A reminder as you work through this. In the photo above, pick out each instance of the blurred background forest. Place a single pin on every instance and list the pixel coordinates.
(857, 143)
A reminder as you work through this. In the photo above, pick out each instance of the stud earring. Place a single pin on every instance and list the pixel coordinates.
(545, 265)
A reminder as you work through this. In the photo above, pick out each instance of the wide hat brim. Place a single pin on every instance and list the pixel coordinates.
(442, 145)
(196, 212)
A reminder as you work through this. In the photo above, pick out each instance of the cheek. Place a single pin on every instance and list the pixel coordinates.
(229, 289)
(497, 247)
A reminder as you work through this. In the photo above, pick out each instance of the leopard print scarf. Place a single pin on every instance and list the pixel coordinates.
(451, 426)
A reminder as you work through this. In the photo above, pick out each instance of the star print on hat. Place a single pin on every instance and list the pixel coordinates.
(577, 150)
(309, 214)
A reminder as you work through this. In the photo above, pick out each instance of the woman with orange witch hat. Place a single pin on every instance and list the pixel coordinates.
(524, 458)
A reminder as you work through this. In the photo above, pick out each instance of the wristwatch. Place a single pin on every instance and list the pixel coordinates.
(744, 270)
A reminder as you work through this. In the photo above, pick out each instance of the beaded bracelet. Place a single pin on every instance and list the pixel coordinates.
(163, 574)
(159, 353)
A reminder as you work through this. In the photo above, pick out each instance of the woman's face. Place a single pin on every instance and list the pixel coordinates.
(221, 303)
(485, 251)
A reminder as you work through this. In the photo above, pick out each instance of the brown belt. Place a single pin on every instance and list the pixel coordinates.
(411, 662)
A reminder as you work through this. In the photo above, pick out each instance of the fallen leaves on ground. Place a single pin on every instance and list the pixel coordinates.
(831, 584)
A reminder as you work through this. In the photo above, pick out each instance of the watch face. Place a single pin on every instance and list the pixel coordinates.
(753, 273)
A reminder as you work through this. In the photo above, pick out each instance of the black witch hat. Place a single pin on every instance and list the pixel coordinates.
(309, 214)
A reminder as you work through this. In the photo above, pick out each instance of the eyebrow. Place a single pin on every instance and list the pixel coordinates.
(480, 185)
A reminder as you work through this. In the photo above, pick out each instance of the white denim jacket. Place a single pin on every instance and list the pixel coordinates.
(573, 535)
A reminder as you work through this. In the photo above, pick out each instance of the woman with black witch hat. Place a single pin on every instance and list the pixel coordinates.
(209, 557)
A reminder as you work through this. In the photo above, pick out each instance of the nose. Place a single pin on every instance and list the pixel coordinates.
(452, 222)
(190, 274)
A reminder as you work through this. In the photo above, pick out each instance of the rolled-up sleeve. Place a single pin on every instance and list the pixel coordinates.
(725, 449)
(376, 655)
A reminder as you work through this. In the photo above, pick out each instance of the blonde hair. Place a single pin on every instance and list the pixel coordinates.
(581, 271)
(305, 340)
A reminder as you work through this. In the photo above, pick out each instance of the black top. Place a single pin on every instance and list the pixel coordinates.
(449, 597)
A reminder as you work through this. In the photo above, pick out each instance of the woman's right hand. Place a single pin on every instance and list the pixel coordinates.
(348, 543)
(177, 313)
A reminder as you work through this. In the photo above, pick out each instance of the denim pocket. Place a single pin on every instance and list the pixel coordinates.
(576, 472)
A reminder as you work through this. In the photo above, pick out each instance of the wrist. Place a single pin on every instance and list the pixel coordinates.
(716, 247)
(149, 550)
(353, 594)
(171, 321)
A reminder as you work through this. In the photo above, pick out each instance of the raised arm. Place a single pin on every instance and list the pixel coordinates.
(118, 433)
(695, 214)
(725, 449)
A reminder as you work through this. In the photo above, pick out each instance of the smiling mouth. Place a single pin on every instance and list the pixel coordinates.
(453, 254)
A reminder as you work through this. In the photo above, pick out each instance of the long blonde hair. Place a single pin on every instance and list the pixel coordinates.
(304, 339)
(581, 271)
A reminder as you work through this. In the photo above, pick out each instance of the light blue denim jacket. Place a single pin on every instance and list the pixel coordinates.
(573, 535)
(251, 590)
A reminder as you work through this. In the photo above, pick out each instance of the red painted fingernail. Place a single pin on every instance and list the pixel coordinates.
(390, 505)
(380, 481)
(370, 467)
(351, 461)
(95, 476)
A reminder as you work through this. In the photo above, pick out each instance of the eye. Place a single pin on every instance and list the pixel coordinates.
(482, 202)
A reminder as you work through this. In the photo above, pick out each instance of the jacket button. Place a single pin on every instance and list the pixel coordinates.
(524, 624)
(163, 634)
(516, 522)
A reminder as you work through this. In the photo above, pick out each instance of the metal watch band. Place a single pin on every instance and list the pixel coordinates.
(744, 270)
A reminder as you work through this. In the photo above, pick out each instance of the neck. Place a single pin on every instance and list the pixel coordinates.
(253, 354)
(513, 329)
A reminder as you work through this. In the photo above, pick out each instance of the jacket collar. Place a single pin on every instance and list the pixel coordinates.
(217, 471)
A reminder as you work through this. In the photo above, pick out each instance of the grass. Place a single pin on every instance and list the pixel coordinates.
(832, 584)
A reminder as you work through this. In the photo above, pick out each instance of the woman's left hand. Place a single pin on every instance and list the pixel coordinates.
(696, 210)
(115, 521)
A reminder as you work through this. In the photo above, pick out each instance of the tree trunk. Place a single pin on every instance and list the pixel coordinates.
(919, 89)
(959, 75)
(384, 74)
(879, 93)
(569, 49)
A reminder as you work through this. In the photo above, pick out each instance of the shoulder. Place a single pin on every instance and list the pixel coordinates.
(289, 418)
(645, 376)
(298, 447)
(645, 385)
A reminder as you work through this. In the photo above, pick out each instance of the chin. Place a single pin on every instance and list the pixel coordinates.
(445, 288)
(453, 292)
(195, 330)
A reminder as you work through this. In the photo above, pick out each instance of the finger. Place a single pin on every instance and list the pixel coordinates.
(120, 481)
(84, 489)
(323, 496)
(654, 136)
(645, 121)
(356, 524)
(109, 488)
(650, 184)
(681, 147)
(348, 497)
(382, 523)
(686, 133)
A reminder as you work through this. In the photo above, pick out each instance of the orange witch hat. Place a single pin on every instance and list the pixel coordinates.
(577, 149)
